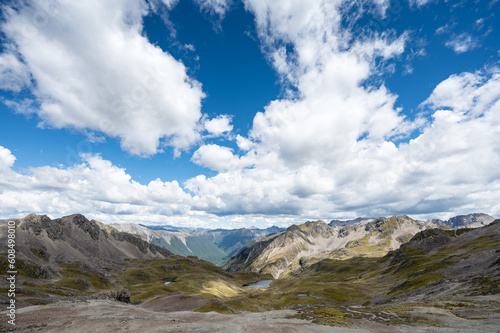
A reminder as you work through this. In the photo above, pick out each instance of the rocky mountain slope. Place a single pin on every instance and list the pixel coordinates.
(215, 246)
(344, 223)
(439, 278)
(74, 257)
(475, 220)
(74, 237)
(47, 249)
(435, 265)
(300, 246)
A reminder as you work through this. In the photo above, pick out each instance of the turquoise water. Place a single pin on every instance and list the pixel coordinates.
(259, 284)
(169, 280)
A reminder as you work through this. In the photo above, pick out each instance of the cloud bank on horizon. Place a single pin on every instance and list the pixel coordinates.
(336, 143)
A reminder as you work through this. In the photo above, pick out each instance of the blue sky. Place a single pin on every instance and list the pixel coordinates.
(219, 113)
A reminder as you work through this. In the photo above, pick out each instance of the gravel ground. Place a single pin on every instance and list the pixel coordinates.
(104, 316)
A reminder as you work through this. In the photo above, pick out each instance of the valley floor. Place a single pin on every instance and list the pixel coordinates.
(110, 316)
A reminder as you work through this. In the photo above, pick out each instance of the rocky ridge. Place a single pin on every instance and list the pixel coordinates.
(475, 220)
(75, 237)
(302, 245)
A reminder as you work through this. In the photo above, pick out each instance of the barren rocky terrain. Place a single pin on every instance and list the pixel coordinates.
(109, 316)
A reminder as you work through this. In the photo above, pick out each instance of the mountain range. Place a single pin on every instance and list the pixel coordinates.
(215, 246)
(475, 220)
(220, 245)
(300, 246)
(395, 271)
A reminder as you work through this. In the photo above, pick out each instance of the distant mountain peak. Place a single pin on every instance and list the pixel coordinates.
(474, 220)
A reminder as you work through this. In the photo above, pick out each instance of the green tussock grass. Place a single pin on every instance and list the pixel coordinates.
(330, 316)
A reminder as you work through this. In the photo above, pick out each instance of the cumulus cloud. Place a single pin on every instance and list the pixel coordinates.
(170, 3)
(472, 93)
(335, 147)
(95, 187)
(6, 158)
(331, 149)
(94, 70)
(457, 153)
(303, 150)
(215, 157)
(244, 143)
(450, 168)
(219, 125)
(334, 109)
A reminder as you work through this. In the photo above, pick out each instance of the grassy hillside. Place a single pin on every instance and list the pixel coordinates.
(195, 245)
(206, 250)
(176, 246)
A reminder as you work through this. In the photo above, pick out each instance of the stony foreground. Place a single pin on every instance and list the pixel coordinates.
(109, 316)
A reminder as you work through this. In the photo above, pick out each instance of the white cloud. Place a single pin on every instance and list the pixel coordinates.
(462, 43)
(95, 187)
(219, 125)
(419, 3)
(6, 158)
(219, 158)
(471, 93)
(443, 29)
(94, 70)
(458, 152)
(244, 143)
(14, 75)
(329, 150)
(215, 157)
(215, 7)
(450, 168)
(170, 3)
